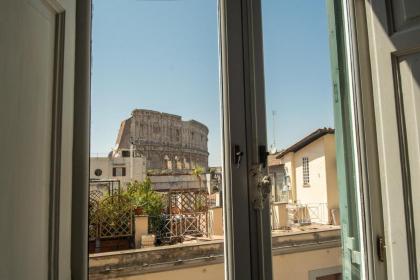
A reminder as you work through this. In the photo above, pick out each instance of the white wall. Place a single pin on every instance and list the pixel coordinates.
(107, 164)
(31, 82)
(317, 190)
(322, 193)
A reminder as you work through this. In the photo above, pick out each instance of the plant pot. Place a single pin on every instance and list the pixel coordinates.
(138, 211)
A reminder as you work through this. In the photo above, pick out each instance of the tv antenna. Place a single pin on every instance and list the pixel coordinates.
(273, 148)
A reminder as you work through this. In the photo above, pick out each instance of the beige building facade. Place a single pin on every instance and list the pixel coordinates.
(307, 172)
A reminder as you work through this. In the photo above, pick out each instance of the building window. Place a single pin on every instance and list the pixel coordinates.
(337, 276)
(125, 153)
(98, 172)
(118, 171)
(329, 273)
(305, 172)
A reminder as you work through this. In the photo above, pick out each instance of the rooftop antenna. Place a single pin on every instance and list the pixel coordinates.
(273, 146)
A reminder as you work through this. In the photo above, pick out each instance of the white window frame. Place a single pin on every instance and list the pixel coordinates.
(248, 231)
(305, 172)
(120, 171)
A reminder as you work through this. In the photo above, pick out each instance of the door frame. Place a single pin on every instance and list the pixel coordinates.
(393, 36)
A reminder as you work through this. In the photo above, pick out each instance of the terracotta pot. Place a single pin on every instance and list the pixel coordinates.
(138, 211)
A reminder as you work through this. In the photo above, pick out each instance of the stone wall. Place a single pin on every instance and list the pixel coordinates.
(295, 256)
(165, 140)
(177, 182)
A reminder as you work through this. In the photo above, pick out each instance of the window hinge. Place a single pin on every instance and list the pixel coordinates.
(381, 248)
(355, 256)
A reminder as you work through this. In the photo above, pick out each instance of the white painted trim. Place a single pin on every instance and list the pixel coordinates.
(350, 40)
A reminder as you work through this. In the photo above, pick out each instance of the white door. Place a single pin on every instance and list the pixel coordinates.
(37, 45)
(394, 41)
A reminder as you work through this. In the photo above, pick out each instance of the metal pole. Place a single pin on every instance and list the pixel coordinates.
(274, 130)
(131, 161)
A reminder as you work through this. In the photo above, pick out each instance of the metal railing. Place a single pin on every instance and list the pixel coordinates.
(110, 218)
(173, 228)
(286, 215)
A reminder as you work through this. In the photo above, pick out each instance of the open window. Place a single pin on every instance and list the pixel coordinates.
(249, 214)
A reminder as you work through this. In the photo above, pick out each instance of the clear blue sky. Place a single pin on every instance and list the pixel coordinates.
(163, 55)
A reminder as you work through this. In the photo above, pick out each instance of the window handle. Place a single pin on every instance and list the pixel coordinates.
(237, 155)
(262, 187)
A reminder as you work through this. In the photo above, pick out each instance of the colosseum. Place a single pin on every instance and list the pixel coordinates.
(165, 140)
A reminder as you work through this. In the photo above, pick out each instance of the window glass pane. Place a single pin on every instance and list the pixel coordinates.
(302, 140)
(155, 208)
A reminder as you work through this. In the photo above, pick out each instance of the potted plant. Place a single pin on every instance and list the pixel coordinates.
(134, 193)
(144, 199)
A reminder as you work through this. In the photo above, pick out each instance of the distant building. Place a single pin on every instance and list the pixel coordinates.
(305, 173)
(164, 140)
(159, 145)
(123, 169)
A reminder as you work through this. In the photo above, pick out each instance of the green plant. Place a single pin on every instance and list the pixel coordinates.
(197, 172)
(200, 203)
(114, 214)
(142, 195)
